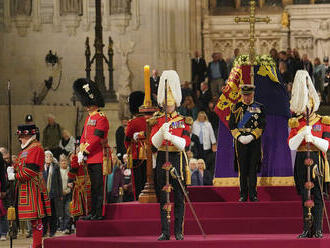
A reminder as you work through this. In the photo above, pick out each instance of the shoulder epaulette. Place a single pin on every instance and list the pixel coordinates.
(188, 120)
(101, 113)
(325, 120)
(158, 114)
(293, 122)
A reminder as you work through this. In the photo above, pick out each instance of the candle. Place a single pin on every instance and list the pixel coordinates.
(147, 99)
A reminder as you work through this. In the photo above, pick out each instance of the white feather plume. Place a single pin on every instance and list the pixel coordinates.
(301, 92)
(173, 82)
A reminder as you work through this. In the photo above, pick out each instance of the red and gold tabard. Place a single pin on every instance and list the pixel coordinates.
(81, 193)
(320, 128)
(136, 148)
(33, 200)
(94, 137)
(179, 126)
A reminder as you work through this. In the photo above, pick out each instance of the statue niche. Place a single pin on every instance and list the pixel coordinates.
(21, 7)
(120, 7)
(69, 7)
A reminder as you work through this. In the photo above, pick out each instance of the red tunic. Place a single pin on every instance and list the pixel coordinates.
(94, 137)
(180, 127)
(33, 200)
(81, 194)
(320, 127)
(137, 124)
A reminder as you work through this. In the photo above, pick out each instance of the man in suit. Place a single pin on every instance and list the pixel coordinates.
(198, 71)
(217, 74)
(205, 97)
(154, 82)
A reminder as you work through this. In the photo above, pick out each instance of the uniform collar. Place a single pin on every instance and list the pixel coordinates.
(94, 112)
(172, 115)
(247, 104)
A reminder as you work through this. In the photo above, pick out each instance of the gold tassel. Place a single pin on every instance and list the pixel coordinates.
(11, 215)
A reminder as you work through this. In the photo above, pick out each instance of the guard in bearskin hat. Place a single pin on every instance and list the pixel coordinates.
(247, 122)
(309, 136)
(135, 142)
(93, 143)
(33, 200)
(173, 131)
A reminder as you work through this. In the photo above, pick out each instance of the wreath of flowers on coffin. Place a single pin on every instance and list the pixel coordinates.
(265, 60)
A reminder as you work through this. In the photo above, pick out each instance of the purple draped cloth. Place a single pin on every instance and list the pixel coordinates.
(276, 167)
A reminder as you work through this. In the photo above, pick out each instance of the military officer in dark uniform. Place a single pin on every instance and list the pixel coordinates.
(246, 123)
(93, 141)
(135, 142)
(176, 133)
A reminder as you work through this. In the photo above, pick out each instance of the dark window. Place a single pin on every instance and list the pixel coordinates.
(301, 1)
(322, 1)
(245, 3)
(274, 3)
(225, 3)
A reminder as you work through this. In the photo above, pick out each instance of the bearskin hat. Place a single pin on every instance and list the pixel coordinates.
(26, 129)
(135, 100)
(88, 93)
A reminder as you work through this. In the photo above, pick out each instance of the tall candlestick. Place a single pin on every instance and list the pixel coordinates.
(147, 96)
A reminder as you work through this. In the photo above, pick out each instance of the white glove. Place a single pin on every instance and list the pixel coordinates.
(165, 127)
(136, 136)
(11, 176)
(296, 140)
(10, 169)
(308, 130)
(249, 138)
(243, 139)
(157, 139)
(309, 138)
(167, 136)
(320, 143)
(81, 157)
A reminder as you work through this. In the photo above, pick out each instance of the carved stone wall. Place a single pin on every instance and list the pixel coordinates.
(310, 29)
(221, 34)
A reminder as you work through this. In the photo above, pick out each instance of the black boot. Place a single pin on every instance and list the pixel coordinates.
(164, 236)
(242, 199)
(305, 234)
(179, 236)
(318, 234)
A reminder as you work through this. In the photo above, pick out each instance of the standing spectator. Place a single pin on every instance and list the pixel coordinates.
(307, 65)
(283, 57)
(67, 143)
(204, 97)
(52, 177)
(189, 108)
(195, 146)
(198, 71)
(154, 82)
(213, 118)
(319, 76)
(192, 167)
(187, 91)
(285, 74)
(203, 129)
(67, 196)
(117, 181)
(52, 135)
(273, 53)
(204, 174)
(232, 59)
(297, 62)
(217, 74)
(326, 91)
(120, 133)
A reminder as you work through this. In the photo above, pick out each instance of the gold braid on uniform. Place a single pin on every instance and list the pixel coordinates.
(325, 120)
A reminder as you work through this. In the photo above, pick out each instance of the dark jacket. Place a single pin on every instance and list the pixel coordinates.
(222, 68)
(195, 146)
(198, 68)
(3, 180)
(121, 149)
(204, 99)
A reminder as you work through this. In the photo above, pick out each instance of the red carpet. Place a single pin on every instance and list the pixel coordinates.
(275, 221)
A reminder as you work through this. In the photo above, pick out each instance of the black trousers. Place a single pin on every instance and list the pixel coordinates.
(96, 177)
(249, 157)
(300, 174)
(51, 220)
(179, 206)
(140, 175)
